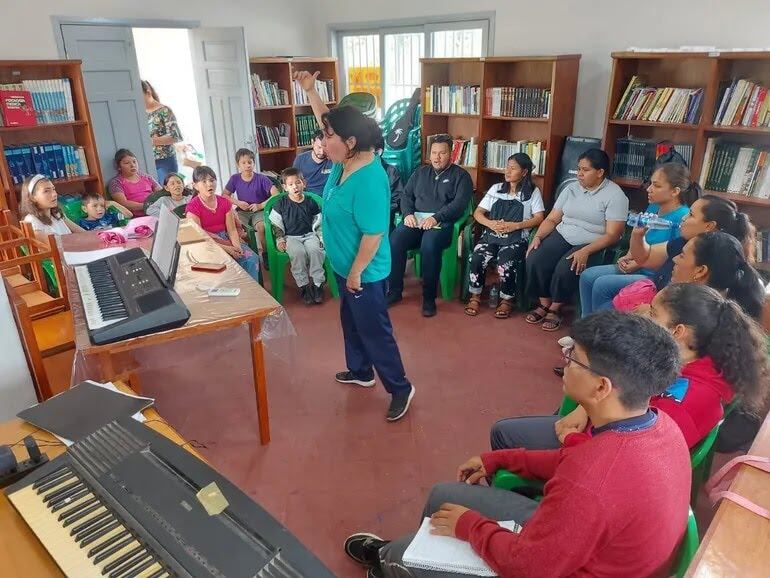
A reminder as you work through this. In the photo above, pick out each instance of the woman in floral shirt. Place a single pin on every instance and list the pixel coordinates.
(163, 131)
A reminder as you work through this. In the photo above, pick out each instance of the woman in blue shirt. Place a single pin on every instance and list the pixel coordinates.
(355, 216)
(670, 193)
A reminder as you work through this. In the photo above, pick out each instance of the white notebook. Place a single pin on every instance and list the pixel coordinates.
(442, 553)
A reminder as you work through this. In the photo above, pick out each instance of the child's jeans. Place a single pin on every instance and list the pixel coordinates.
(249, 261)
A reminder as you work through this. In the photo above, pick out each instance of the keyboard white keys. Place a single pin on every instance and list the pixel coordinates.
(96, 316)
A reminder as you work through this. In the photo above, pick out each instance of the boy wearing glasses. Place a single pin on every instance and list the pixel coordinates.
(615, 503)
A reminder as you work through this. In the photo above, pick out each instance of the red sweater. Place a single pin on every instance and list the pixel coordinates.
(701, 407)
(614, 505)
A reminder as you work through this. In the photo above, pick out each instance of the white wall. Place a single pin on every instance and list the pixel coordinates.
(16, 389)
(271, 27)
(593, 28)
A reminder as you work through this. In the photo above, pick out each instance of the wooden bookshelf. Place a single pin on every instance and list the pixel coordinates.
(281, 70)
(688, 70)
(77, 132)
(557, 73)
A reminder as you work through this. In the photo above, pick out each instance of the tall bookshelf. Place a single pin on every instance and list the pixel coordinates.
(706, 70)
(558, 73)
(77, 132)
(281, 71)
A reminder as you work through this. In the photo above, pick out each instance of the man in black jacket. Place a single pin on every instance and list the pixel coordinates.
(435, 197)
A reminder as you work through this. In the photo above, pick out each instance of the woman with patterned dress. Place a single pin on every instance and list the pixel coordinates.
(164, 132)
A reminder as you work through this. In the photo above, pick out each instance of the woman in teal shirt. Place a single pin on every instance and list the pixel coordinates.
(670, 193)
(355, 215)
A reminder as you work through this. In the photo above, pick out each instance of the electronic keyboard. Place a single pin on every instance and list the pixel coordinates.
(122, 503)
(125, 296)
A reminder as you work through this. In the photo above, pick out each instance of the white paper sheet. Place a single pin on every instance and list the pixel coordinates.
(73, 258)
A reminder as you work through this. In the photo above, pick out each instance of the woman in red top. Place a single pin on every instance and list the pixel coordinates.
(723, 354)
(214, 213)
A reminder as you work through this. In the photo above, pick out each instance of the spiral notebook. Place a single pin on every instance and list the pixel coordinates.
(445, 554)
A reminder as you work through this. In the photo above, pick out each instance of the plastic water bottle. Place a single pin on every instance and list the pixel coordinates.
(494, 296)
(649, 220)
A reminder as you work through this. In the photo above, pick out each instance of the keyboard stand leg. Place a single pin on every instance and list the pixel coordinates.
(260, 381)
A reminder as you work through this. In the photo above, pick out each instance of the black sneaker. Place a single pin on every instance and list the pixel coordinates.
(559, 371)
(429, 308)
(393, 298)
(374, 572)
(364, 548)
(307, 294)
(318, 294)
(349, 377)
(399, 405)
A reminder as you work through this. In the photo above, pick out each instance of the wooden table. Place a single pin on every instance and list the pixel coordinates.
(21, 553)
(207, 314)
(737, 543)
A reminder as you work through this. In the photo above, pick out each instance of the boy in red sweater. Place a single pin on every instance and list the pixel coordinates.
(614, 504)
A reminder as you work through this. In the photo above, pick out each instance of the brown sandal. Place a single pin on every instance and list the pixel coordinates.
(503, 310)
(533, 317)
(552, 322)
(472, 308)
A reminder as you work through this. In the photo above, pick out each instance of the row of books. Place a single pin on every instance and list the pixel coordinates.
(635, 157)
(497, 153)
(762, 246)
(666, 105)
(273, 136)
(306, 126)
(518, 102)
(266, 93)
(465, 152)
(737, 168)
(33, 102)
(54, 160)
(453, 99)
(324, 86)
(743, 103)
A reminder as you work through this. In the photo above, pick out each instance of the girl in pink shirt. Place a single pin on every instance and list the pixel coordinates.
(130, 187)
(214, 213)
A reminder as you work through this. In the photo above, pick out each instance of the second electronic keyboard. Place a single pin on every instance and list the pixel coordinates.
(124, 296)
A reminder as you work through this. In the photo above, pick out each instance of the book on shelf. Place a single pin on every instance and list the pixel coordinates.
(306, 126)
(737, 168)
(324, 86)
(52, 159)
(16, 108)
(497, 152)
(762, 246)
(267, 93)
(269, 137)
(743, 102)
(509, 101)
(664, 105)
(453, 99)
(635, 157)
(51, 99)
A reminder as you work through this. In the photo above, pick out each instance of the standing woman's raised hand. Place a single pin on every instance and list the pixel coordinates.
(305, 79)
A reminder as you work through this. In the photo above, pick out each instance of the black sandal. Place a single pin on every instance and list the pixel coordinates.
(553, 323)
(533, 317)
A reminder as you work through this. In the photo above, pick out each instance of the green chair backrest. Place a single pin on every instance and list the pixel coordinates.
(395, 112)
(688, 547)
(73, 210)
(152, 197)
(364, 102)
(269, 205)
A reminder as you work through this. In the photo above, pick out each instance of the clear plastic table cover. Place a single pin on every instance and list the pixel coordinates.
(212, 347)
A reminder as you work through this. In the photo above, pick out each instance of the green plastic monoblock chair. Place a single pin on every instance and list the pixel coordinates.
(407, 159)
(278, 260)
(364, 102)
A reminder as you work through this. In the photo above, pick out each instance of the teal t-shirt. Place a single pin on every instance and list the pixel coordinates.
(359, 206)
(655, 236)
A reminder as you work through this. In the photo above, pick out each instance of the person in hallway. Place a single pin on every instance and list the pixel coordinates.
(589, 216)
(130, 187)
(615, 503)
(164, 132)
(507, 212)
(670, 194)
(314, 164)
(355, 222)
(435, 196)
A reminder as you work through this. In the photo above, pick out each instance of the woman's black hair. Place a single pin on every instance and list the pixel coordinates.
(598, 159)
(722, 331)
(728, 218)
(147, 88)
(120, 154)
(678, 176)
(729, 271)
(524, 186)
(168, 177)
(202, 172)
(348, 122)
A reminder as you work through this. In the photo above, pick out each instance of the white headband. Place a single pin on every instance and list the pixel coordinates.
(34, 181)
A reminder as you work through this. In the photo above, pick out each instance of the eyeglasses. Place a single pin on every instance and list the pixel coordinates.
(567, 355)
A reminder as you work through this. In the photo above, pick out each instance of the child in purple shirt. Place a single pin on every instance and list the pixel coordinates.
(249, 191)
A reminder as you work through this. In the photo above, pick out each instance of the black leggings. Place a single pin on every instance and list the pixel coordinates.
(548, 270)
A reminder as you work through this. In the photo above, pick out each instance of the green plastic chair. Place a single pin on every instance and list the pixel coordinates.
(278, 260)
(364, 102)
(702, 455)
(407, 159)
(688, 547)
